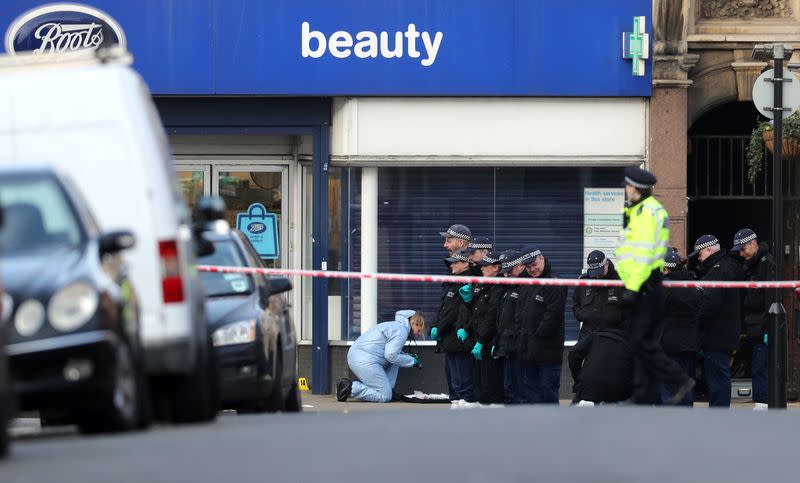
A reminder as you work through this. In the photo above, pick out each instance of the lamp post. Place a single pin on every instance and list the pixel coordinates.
(777, 330)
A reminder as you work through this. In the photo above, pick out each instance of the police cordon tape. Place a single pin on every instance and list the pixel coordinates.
(561, 282)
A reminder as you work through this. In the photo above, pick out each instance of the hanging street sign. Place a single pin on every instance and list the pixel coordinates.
(636, 45)
(763, 93)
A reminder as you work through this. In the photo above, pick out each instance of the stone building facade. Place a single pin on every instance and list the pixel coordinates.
(701, 114)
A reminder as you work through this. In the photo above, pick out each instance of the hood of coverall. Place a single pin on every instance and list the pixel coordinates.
(404, 317)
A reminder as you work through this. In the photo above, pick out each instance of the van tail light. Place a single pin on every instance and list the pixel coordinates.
(171, 282)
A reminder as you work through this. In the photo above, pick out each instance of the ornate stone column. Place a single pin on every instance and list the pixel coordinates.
(668, 112)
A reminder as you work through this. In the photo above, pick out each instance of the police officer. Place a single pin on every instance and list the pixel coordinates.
(478, 247)
(506, 344)
(640, 260)
(450, 333)
(540, 315)
(598, 307)
(758, 265)
(483, 327)
(601, 364)
(679, 339)
(718, 319)
(456, 238)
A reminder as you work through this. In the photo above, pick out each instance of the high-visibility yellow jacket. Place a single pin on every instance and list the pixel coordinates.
(643, 242)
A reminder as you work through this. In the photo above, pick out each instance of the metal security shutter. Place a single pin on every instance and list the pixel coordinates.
(512, 206)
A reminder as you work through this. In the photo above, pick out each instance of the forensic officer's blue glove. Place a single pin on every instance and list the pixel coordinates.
(476, 351)
(462, 335)
(416, 360)
(766, 339)
(466, 293)
(435, 333)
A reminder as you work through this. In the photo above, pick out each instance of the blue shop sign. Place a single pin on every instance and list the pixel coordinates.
(261, 228)
(62, 27)
(392, 48)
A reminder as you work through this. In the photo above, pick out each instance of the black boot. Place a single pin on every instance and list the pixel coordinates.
(343, 389)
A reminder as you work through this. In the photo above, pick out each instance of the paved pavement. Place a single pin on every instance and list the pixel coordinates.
(336, 442)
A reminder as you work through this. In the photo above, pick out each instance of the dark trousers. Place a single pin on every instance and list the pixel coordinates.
(687, 361)
(489, 380)
(513, 382)
(718, 378)
(541, 382)
(760, 374)
(461, 367)
(651, 364)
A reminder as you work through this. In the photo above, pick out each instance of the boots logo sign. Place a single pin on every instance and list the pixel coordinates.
(62, 27)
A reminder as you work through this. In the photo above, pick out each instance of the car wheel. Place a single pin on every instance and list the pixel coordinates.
(195, 398)
(145, 403)
(276, 401)
(3, 441)
(121, 410)
(294, 403)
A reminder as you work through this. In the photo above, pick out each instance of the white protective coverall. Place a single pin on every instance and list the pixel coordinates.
(377, 355)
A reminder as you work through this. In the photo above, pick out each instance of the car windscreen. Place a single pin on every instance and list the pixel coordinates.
(38, 217)
(226, 254)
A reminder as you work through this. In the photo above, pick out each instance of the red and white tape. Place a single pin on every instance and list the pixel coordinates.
(563, 282)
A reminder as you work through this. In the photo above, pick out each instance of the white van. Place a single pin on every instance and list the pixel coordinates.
(91, 115)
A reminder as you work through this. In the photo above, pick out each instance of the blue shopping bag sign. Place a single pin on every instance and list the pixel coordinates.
(261, 228)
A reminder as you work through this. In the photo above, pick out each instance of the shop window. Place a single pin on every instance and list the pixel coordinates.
(512, 206)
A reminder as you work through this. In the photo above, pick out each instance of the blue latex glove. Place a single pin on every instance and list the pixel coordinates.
(435, 333)
(766, 337)
(466, 293)
(476, 351)
(462, 335)
(494, 356)
(416, 359)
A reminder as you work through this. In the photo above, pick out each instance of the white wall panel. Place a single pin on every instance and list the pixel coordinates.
(526, 128)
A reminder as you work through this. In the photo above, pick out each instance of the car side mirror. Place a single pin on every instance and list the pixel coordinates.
(279, 285)
(116, 241)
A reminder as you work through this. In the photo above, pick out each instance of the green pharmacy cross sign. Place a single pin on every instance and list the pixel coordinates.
(636, 45)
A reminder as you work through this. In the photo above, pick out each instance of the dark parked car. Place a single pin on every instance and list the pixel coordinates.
(73, 336)
(6, 405)
(6, 396)
(250, 323)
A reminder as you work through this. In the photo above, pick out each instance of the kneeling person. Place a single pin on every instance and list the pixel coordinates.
(601, 364)
(377, 355)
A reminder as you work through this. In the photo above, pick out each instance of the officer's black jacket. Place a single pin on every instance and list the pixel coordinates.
(540, 315)
(474, 270)
(756, 302)
(598, 307)
(482, 324)
(507, 338)
(680, 315)
(602, 366)
(453, 314)
(720, 314)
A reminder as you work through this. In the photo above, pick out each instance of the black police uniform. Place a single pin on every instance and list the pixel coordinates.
(679, 339)
(483, 328)
(755, 308)
(540, 316)
(507, 344)
(453, 314)
(602, 366)
(598, 307)
(719, 320)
